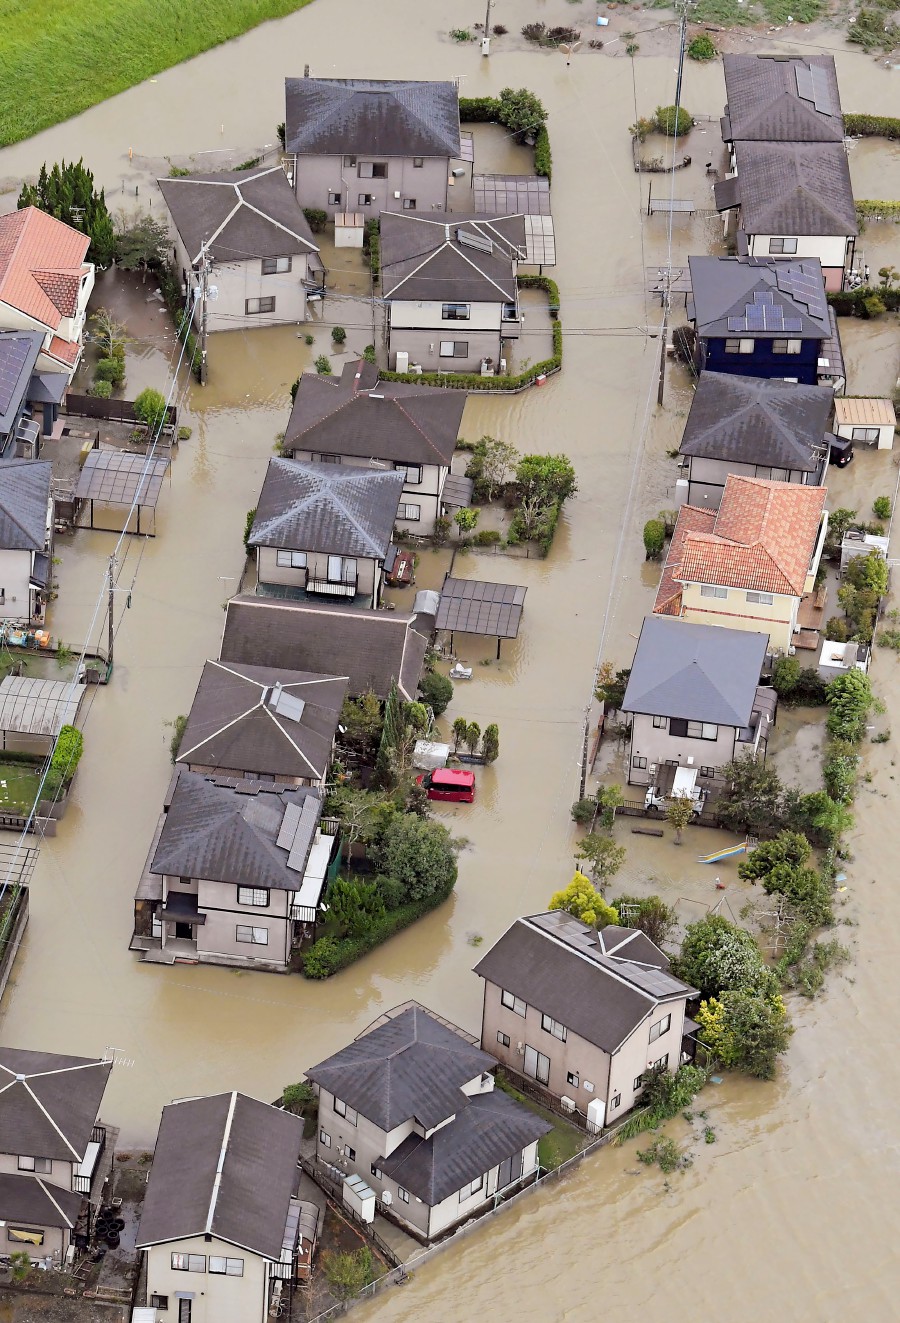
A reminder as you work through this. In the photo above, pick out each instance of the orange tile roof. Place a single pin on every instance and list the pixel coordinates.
(66, 351)
(691, 519)
(41, 263)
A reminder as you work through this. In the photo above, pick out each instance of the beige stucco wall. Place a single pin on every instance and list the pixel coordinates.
(368, 571)
(238, 281)
(15, 578)
(637, 1054)
(316, 176)
(59, 1174)
(424, 346)
(425, 494)
(216, 1298)
(56, 1240)
(830, 249)
(735, 612)
(217, 940)
(658, 746)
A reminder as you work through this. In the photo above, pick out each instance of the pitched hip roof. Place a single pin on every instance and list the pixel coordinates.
(37, 1202)
(242, 215)
(782, 99)
(239, 720)
(440, 256)
(691, 519)
(340, 509)
(247, 833)
(18, 354)
(223, 1166)
(24, 501)
(373, 647)
(759, 296)
(49, 1103)
(793, 188)
(584, 979)
(750, 420)
(365, 116)
(411, 1066)
(697, 672)
(394, 421)
(41, 265)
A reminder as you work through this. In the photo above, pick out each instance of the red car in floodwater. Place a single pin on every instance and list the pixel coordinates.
(453, 783)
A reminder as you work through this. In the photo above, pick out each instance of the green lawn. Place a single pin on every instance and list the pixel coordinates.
(58, 57)
(560, 1143)
(18, 786)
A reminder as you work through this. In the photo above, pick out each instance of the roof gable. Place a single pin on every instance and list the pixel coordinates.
(335, 508)
(32, 242)
(423, 256)
(697, 672)
(329, 116)
(795, 188)
(242, 215)
(24, 501)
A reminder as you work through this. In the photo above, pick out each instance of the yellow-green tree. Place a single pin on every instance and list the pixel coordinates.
(678, 813)
(584, 902)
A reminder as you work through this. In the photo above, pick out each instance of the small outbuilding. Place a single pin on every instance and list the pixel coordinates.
(32, 712)
(120, 478)
(866, 421)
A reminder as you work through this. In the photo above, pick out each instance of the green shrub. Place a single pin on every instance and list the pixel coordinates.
(837, 629)
(543, 157)
(437, 691)
(329, 955)
(461, 35)
(369, 353)
(179, 726)
(850, 699)
(487, 537)
(873, 306)
(111, 370)
(338, 335)
(185, 433)
(490, 743)
(654, 538)
(702, 48)
(442, 526)
(150, 408)
(101, 390)
(392, 892)
(881, 507)
(785, 676)
(871, 126)
(64, 761)
(583, 811)
(248, 526)
(666, 122)
(323, 365)
(316, 219)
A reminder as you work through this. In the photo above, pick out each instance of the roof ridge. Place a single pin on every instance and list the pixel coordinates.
(398, 401)
(223, 1152)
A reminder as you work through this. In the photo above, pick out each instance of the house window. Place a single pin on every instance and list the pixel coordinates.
(402, 1195)
(761, 599)
(364, 199)
(661, 1027)
(782, 245)
(254, 306)
(372, 170)
(349, 161)
(189, 1263)
(347, 1112)
(537, 1065)
(25, 1235)
(409, 204)
(413, 473)
(276, 266)
(185, 881)
(660, 723)
(253, 896)
(512, 1003)
(377, 1172)
(678, 728)
(290, 560)
(572, 1078)
(418, 162)
(251, 936)
(739, 346)
(227, 1267)
(864, 434)
(409, 512)
(341, 569)
(510, 313)
(614, 1101)
(349, 1153)
(454, 349)
(325, 1139)
(638, 1082)
(554, 1027)
(702, 730)
(325, 459)
(787, 346)
(40, 1166)
(159, 1302)
(502, 1038)
(662, 1062)
(455, 312)
(472, 1188)
(334, 199)
(712, 590)
(639, 762)
(707, 771)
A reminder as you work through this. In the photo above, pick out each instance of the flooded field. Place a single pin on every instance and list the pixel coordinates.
(793, 1210)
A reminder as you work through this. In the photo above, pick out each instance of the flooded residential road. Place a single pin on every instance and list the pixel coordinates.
(793, 1211)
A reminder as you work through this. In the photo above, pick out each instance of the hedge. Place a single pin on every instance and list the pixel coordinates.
(852, 302)
(329, 955)
(486, 110)
(543, 158)
(871, 126)
(879, 209)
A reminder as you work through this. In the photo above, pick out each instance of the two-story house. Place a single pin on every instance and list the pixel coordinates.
(51, 1144)
(364, 145)
(410, 1107)
(235, 875)
(357, 419)
(759, 317)
(755, 428)
(450, 285)
(695, 699)
(24, 393)
(324, 530)
(26, 534)
(45, 284)
(263, 258)
(749, 564)
(219, 1224)
(263, 723)
(582, 1013)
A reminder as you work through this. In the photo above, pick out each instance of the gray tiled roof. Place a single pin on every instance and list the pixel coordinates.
(422, 257)
(411, 1067)
(247, 1203)
(698, 672)
(723, 287)
(243, 215)
(234, 724)
(18, 354)
(372, 647)
(749, 420)
(24, 496)
(342, 509)
(37, 1202)
(359, 415)
(764, 101)
(328, 116)
(492, 1128)
(51, 1110)
(795, 188)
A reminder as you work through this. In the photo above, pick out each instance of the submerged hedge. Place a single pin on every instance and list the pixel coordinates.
(329, 955)
(871, 126)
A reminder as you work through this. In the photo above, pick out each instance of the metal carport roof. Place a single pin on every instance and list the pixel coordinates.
(38, 707)
(471, 606)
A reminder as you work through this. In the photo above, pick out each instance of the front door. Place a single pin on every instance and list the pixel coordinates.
(184, 1311)
(510, 1170)
(184, 930)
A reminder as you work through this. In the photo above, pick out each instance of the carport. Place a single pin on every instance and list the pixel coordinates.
(32, 712)
(473, 606)
(120, 478)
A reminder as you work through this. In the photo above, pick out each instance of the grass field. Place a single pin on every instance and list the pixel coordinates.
(58, 57)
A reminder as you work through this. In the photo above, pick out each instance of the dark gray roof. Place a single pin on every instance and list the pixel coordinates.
(342, 509)
(18, 354)
(423, 257)
(793, 188)
(118, 477)
(49, 1103)
(239, 720)
(379, 420)
(701, 672)
(249, 833)
(492, 1128)
(37, 1202)
(242, 214)
(48, 387)
(473, 606)
(749, 420)
(410, 1067)
(782, 98)
(372, 647)
(561, 967)
(223, 1166)
(381, 117)
(763, 296)
(24, 498)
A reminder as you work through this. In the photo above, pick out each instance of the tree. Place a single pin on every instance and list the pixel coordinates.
(840, 521)
(348, 1271)
(745, 1032)
(67, 192)
(788, 847)
(850, 698)
(602, 855)
(824, 819)
(437, 691)
(354, 905)
(785, 676)
(881, 508)
(465, 520)
(584, 902)
(670, 121)
(249, 521)
(416, 717)
(150, 408)
(492, 462)
(296, 1098)
(649, 914)
(611, 686)
(755, 798)
(472, 736)
(398, 740)
(421, 855)
(584, 811)
(609, 798)
(718, 956)
(654, 539)
(779, 866)
(109, 335)
(521, 112)
(460, 729)
(357, 810)
(869, 573)
(490, 743)
(142, 242)
(20, 1265)
(678, 813)
(548, 477)
(359, 729)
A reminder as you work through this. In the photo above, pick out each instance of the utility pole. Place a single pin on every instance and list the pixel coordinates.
(204, 309)
(111, 580)
(667, 281)
(486, 39)
(584, 755)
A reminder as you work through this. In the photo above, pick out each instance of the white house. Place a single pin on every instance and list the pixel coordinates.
(45, 284)
(26, 530)
(865, 421)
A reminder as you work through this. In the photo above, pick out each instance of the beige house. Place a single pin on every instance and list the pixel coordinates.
(866, 422)
(26, 539)
(749, 564)
(410, 1107)
(583, 1014)
(219, 1226)
(51, 1145)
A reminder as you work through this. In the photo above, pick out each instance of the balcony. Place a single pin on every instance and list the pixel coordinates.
(343, 587)
(83, 1175)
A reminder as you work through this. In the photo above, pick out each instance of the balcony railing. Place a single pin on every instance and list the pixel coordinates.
(344, 587)
(81, 1184)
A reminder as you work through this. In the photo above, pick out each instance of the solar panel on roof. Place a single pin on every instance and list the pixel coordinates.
(13, 356)
(821, 90)
(793, 324)
(805, 89)
(469, 239)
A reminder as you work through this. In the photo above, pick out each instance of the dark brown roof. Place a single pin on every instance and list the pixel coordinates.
(328, 116)
(424, 258)
(49, 1103)
(243, 215)
(749, 420)
(765, 101)
(342, 509)
(795, 188)
(474, 606)
(223, 1166)
(372, 647)
(37, 1202)
(239, 721)
(359, 415)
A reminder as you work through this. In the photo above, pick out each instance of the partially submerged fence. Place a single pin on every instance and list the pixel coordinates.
(113, 411)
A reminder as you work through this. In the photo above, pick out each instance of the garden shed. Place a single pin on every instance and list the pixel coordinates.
(32, 712)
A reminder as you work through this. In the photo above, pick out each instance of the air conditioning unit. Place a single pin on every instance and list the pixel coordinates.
(567, 1104)
(402, 360)
(387, 1198)
(690, 761)
(397, 194)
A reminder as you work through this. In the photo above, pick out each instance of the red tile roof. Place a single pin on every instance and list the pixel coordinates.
(41, 263)
(66, 351)
(61, 287)
(691, 519)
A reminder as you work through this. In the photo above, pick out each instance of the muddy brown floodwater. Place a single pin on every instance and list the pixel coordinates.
(793, 1211)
